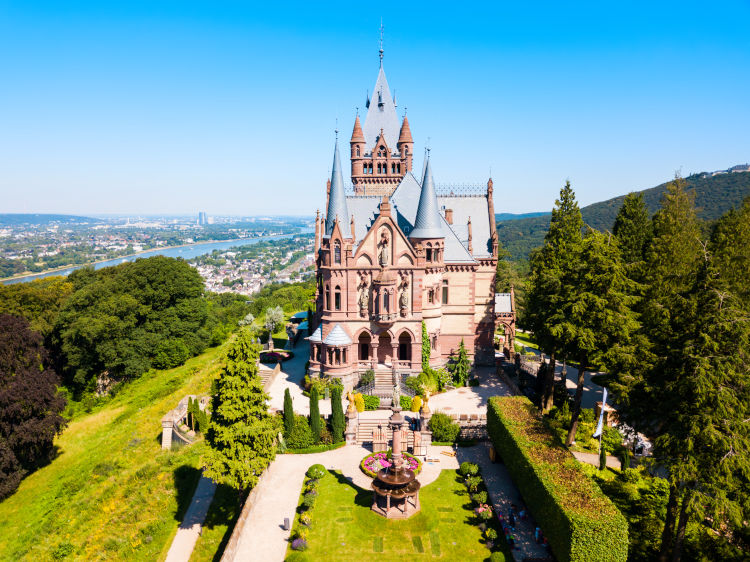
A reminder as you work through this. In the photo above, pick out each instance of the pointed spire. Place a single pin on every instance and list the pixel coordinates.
(337, 209)
(405, 135)
(357, 135)
(428, 223)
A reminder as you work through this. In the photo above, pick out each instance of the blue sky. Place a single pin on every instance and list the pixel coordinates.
(230, 107)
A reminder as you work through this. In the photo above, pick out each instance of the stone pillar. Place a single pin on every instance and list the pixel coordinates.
(396, 421)
(166, 431)
(352, 425)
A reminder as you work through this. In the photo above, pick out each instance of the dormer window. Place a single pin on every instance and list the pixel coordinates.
(381, 152)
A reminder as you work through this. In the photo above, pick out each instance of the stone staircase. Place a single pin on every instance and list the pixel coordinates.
(367, 425)
(383, 385)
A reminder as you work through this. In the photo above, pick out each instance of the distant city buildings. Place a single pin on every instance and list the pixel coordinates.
(202, 218)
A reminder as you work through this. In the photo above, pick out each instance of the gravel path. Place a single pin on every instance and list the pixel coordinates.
(503, 493)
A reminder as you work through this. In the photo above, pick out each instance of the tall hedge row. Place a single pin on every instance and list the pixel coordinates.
(579, 521)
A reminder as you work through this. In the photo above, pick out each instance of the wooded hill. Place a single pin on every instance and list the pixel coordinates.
(714, 195)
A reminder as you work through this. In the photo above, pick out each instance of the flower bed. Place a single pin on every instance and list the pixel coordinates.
(371, 464)
(275, 356)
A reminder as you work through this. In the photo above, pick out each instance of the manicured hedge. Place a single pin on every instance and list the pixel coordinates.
(579, 521)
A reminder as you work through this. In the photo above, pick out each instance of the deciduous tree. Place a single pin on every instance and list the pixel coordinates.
(30, 405)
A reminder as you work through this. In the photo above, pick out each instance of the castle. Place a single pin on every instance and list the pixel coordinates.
(395, 254)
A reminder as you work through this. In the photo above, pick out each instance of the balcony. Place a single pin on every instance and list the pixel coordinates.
(383, 318)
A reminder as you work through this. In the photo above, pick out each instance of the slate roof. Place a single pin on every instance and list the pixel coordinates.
(381, 115)
(503, 303)
(317, 335)
(427, 222)
(337, 198)
(337, 336)
(474, 206)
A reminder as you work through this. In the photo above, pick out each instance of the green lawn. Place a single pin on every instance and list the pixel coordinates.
(218, 526)
(344, 528)
(111, 493)
(526, 340)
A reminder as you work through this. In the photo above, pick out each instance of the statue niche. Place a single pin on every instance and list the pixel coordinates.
(364, 295)
(403, 300)
(384, 254)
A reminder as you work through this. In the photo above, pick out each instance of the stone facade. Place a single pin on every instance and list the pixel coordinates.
(377, 282)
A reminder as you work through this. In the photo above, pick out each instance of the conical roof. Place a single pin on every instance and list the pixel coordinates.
(381, 115)
(405, 135)
(427, 224)
(337, 198)
(357, 135)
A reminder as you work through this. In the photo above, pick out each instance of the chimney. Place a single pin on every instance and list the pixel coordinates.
(471, 251)
(449, 216)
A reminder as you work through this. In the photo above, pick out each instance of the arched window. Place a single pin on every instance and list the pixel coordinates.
(337, 253)
(328, 297)
(428, 254)
(393, 168)
(337, 298)
(431, 296)
(338, 356)
(357, 151)
(364, 346)
(404, 347)
(398, 168)
(445, 291)
(381, 151)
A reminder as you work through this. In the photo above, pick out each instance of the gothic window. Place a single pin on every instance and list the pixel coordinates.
(337, 298)
(393, 168)
(337, 253)
(381, 152)
(398, 168)
(328, 297)
(445, 291)
(428, 254)
(357, 151)
(343, 355)
(430, 296)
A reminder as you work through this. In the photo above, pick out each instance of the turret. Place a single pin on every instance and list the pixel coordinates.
(357, 143)
(405, 145)
(337, 208)
(428, 224)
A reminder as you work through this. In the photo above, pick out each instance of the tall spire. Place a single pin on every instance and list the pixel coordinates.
(428, 223)
(357, 135)
(381, 42)
(337, 208)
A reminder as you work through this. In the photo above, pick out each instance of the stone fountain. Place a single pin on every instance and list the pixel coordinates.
(396, 487)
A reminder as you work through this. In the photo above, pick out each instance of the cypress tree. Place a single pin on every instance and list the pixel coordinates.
(241, 434)
(551, 281)
(314, 414)
(288, 414)
(338, 422)
(462, 367)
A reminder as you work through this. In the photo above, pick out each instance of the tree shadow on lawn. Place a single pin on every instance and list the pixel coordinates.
(363, 498)
(223, 511)
(185, 480)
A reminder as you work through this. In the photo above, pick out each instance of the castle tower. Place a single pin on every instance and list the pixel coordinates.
(381, 150)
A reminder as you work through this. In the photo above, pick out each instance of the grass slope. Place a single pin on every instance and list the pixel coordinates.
(111, 493)
(344, 527)
(714, 196)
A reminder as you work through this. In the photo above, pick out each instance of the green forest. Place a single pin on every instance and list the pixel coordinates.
(70, 344)
(714, 196)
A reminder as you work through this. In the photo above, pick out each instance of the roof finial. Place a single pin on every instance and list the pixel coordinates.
(336, 130)
(381, 42)
(357, 112)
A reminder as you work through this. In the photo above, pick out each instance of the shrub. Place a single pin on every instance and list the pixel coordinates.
(472, 483)
(316, 471)
(371, 402)
(301, 435)
(416, 404)
(308, 501)
(305, 519)
(359, 402)
(498, 556)
(299, 544)
(368, 377)
(405, 402)
(490, 534)
(630, 475)
(579, 521)
(480, 497)
(443, 428)
(414, 384)
(468, 469)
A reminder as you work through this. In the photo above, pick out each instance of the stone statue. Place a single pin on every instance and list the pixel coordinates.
(364, 298)
(403, 301)
(383, 256)
(352, 409)
(425, 407)
(396, 395)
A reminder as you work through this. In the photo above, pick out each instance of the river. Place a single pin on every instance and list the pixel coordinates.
(186, 252)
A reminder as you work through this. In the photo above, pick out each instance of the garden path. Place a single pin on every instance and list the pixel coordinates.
(190, 528)
(471, 399)
(503, 493)
(263, 536)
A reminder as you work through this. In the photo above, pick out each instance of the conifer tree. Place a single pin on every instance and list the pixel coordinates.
(288, 414)
(550, 281)
(730, 241)
(598, 322)
(314, 414)
(338, 423)
(425, 349)
(241, 433)
(633, 229)
(462, 367)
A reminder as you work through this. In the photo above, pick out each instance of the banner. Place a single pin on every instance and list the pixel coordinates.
(600, 425)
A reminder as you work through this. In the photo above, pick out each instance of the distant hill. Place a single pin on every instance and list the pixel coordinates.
(715, 194)
(514, 216)
(13, 219)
